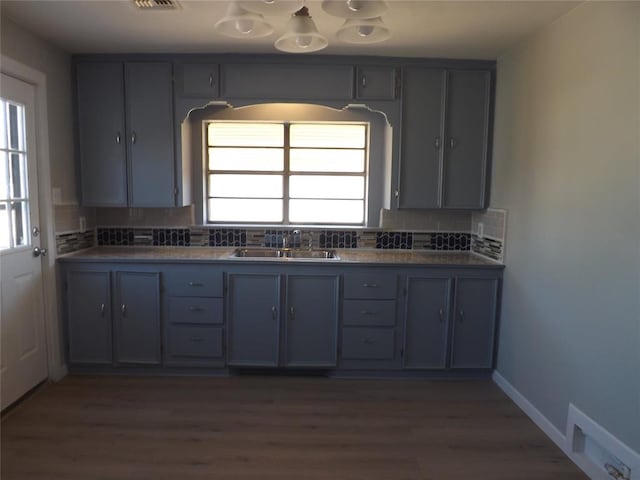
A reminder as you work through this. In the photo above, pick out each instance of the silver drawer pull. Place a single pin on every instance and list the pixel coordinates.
(461, 315)
(123, 309)
(274, 312)
(194, 284)
(368, 341)
(370, 285)
(102, 309)
(195, 309)
(441, 314)
(197, 339)
(368, 312)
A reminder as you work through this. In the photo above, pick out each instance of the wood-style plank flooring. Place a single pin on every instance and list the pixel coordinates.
(268, 428)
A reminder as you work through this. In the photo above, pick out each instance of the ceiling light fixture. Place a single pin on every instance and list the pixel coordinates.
(241, 23)
(302, 34)
(363, 24)
(363, 30)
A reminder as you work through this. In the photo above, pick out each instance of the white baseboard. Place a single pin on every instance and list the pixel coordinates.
(532, 412)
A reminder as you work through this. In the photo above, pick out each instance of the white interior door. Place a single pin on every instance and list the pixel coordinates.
(23, 356)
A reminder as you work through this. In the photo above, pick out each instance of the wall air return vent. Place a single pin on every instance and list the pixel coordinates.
(156, 4)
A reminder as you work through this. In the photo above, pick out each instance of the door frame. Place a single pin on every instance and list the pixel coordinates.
(55, 359)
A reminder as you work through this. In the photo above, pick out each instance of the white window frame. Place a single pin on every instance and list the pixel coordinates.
(286, 173)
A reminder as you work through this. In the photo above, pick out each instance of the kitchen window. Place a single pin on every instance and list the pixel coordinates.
(286, 172)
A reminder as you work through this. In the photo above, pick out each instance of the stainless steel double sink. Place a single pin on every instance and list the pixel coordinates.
(315, 254)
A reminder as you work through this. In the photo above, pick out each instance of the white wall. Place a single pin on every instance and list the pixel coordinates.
(566, 167)
(30, 50)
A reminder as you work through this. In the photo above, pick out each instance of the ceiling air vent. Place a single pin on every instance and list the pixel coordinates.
(156, 4)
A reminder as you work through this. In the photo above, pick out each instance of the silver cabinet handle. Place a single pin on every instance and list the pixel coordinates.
(292, 312)
(123, 309)
(441, 314)
(363, 81)
(452, 142)
(437, 143)
(194, 284)
(461, 315)
(193, 308)
(133, 137)
(211, 80)
(396, 193)
(102, 309)
(370, 285)
(274, 312)
(118, 139)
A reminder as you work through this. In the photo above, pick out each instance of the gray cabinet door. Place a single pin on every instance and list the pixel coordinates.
(198, 80)
(311, 321)
(137, 317)
(284, 81)
(426, 321)
(466, 138)
(253, 320)
(149, 104)
(101, 134)
(376, 83)
(421, 145)
(89, 317)
(474, 318)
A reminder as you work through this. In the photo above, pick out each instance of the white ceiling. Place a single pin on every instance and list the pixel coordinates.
(420, 28)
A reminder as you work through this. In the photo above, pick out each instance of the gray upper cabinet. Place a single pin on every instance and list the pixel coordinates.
(311, 321)
(101, 134)
(254, 320)
(199, 80)
(125, 134)
(474, 317)
(445, 139)
(375, 83)
(88, 302)
(466, 142)
(137, 318)
(426, 322)
(287, 81)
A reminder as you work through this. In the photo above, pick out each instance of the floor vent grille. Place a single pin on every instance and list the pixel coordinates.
(156, 4)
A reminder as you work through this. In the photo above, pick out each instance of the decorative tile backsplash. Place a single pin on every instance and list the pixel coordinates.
(494, 221)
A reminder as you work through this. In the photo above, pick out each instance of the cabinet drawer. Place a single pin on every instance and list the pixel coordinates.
(196, 281)
(195, 310)
(367, 343)
(377, 285)
(372, 313)
(195, 341)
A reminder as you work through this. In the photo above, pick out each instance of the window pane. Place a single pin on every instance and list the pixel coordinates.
(316, 186)
(4, 176)
(328, 136)
(244, 210)
(18, 176)
(3, 124)
(256, 159)
(247, 186)
(16, 126)
(239, 134)
(327, 160)
(326, 211)
(5, 241)
(20, 223)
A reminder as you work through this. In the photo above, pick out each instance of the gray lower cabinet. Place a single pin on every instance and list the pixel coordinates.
(113, 317)
(450, 322)
(474, 322)
(269, 310)
(137, 318)
(125, 134)
(88, 312)
(445, 139)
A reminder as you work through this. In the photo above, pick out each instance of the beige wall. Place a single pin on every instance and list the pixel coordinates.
(566, 167)
(26, 48)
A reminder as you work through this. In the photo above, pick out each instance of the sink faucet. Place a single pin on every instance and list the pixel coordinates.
(310, 240)
(285, 239)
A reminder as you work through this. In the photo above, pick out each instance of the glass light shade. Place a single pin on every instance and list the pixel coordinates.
(354, 8)
(302, 36)
(271, 7)
(240, 23)
(363, 30)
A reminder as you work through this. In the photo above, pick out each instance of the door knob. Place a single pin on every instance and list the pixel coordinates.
(37, 251)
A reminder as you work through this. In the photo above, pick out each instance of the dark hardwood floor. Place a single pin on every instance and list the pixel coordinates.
(268, 428)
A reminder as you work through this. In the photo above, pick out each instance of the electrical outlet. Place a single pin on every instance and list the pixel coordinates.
(83, 224)
(480, 230)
